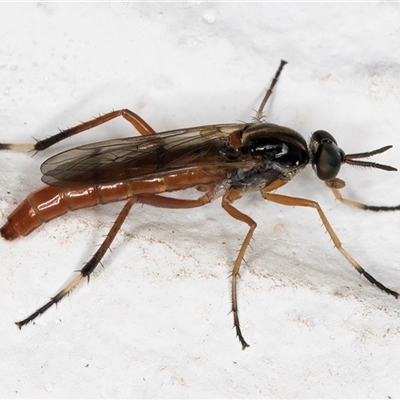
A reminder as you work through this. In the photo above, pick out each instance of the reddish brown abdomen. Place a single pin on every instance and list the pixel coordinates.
(50, 202)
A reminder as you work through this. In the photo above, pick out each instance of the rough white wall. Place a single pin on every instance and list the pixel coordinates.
(154, 321)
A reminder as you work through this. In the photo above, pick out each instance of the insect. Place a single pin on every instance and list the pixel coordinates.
(223, 161)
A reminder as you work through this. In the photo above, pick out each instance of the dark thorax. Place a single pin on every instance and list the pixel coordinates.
(277, 152)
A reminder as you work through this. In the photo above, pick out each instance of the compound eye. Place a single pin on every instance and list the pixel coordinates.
(328, 157)
(322, 136)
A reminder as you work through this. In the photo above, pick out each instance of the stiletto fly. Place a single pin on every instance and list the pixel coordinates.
(223, 161)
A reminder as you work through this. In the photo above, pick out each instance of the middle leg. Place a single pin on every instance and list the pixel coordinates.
(296, 201)
(231, 196)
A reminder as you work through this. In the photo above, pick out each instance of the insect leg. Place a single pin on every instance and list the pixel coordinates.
(235, 213)
(295, 201)
(85, 272)
(142, 127)
(259, 114)
(362, 206)
(88, 268)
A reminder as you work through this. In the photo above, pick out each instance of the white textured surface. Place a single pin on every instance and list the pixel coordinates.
(154, 321)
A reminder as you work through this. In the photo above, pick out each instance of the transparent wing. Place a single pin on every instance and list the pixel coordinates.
(141, 157)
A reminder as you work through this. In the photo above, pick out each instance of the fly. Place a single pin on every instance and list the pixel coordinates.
(223, 161)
